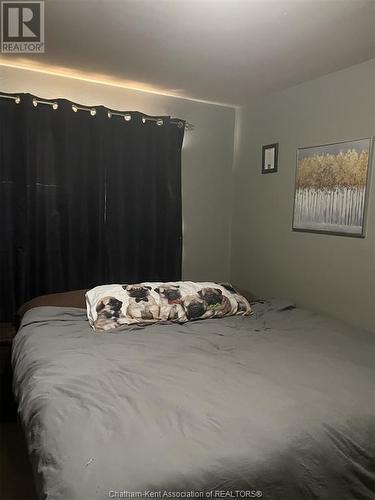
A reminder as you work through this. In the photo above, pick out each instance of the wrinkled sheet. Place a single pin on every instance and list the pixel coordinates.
(281, 403)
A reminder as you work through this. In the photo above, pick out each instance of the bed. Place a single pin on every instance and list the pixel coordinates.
(279, 405)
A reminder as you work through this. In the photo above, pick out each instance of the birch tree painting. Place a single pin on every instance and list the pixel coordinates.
(331, 186)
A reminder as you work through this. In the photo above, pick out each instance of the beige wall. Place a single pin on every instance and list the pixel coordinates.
(207, 159)
(333, 274)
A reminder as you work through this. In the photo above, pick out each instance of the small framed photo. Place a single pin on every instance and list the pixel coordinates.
(270, 158)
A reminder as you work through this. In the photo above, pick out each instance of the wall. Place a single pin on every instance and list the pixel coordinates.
(332, 274)
(207, 159)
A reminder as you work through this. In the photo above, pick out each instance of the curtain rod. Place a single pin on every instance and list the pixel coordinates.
(92, 110)
(54, 105)
(16, 98)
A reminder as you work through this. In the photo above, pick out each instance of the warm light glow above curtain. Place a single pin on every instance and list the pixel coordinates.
(97, 78)
(85, 76)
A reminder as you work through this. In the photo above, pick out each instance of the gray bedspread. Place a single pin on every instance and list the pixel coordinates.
(279, 405)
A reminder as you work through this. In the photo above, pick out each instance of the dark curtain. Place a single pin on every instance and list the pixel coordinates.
(143, 209)
(85, 200)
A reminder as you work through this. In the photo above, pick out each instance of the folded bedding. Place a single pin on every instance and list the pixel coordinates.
(279, 404)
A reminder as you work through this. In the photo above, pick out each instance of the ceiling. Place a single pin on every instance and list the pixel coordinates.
(226, 51)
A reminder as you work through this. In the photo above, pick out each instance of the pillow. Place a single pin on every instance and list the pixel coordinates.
(76, 298)
(111, 306)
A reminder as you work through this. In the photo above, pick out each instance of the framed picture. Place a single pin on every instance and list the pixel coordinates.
(269, 158)
(331, 188)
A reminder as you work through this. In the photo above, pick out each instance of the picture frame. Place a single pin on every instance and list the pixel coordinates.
(332, 184)
(270, 153)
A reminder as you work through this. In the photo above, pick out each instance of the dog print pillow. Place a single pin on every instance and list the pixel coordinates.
(111, 306)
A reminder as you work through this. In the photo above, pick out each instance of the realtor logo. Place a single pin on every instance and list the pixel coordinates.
(22, 27)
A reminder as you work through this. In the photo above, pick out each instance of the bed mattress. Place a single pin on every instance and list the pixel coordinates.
(279, 405)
